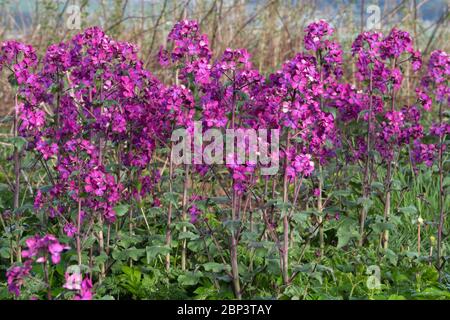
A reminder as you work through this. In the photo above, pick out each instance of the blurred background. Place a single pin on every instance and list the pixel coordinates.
(271, 30)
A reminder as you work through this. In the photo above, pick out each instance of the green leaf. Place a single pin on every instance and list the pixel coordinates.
(365, 202)
(446, 182)
(101, 258)
(215, 267)
(302, 216)
(18, 142)
(196, 245)
(25, 207)
(190, 278)
(4, 253)
(121, 209)
(433, 293)
(391, 256)
(377, 185)
(181, 224)
(314, 270)
(346, 232)
(232, 225)
(203, 293)
(382, 226)
(154, 251)
(283, 206)
(187, 235)
(134, 253)
(172, 198)
(3, 187)
(317, 276)
(134, 275)
(408, 210)
(90, 240)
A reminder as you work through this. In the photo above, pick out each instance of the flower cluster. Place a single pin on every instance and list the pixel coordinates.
(301, 165)
(40, 248)
(375, 53)
(86, 97)
(191, 49)
(16, 276)
(19, 58)
(436, 80)
(314, 33)
(329, 52)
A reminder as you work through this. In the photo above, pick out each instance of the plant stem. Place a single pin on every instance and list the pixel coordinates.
(101, 241)
(387, 205)
(319, 211)
(319, 198)
(367, 173)
(285, 248)
(101, 244)
(388, 180)
(184, 215)
(16, 162)
(16, 158)
(418, 238)
(47, 282)
(234, 214)
(440, 264)
(235, 267)
(169, 212)
(78, 233)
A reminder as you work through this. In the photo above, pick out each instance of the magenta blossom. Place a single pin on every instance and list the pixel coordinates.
(70, 230)
(16, 275)
(85, 292)
(41, 247)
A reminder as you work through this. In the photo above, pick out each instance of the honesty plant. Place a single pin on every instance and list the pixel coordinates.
(98, 122)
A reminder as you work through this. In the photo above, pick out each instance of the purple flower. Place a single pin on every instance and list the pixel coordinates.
(70, 230)
(395, 44)
(163, 56)
(85, 292)
(95, 183)
(303, 164)
(16, 276)
(186, 42)
(424, 99)
(314, 33)
(439, 130)
(40, 247)
(47, 150)
(416, 59)
(439, 66)
(194, 212)
(423, 153)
